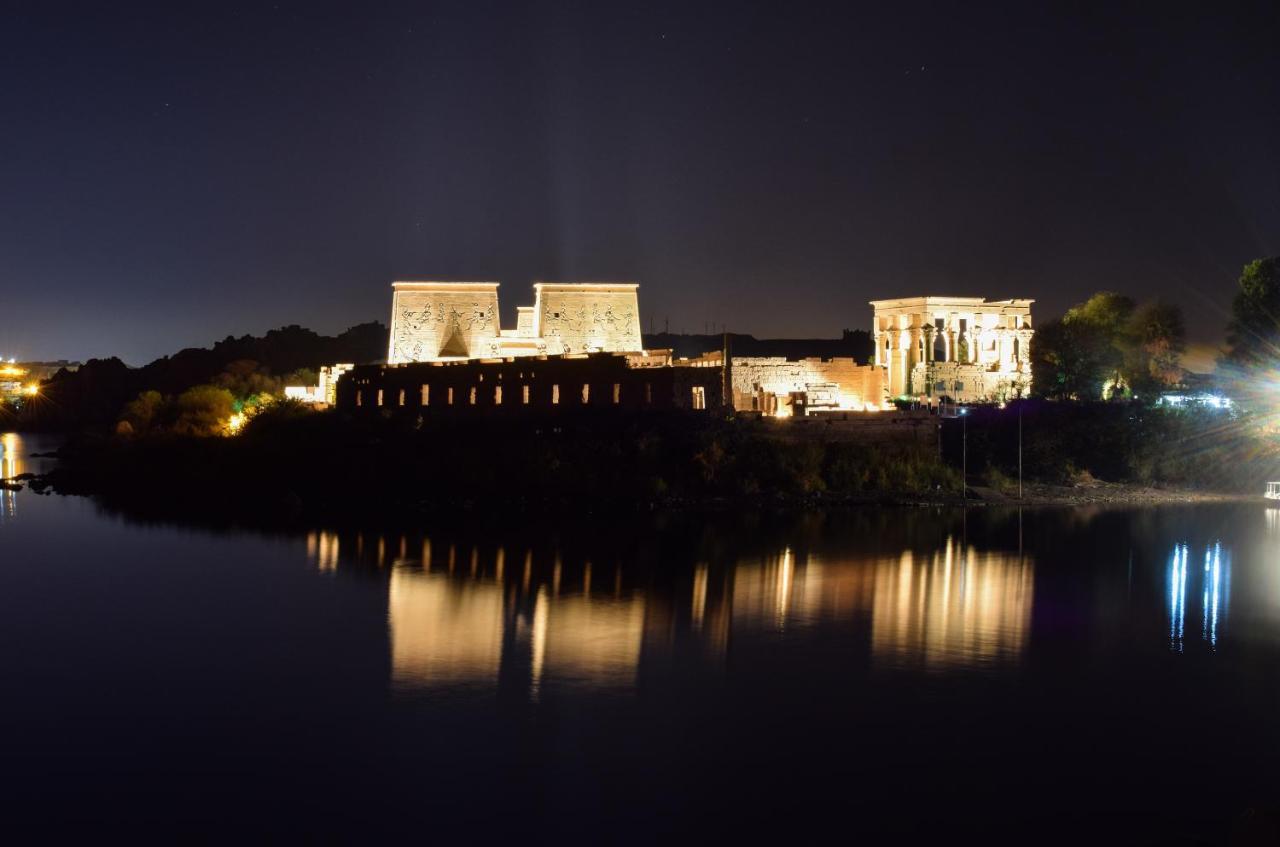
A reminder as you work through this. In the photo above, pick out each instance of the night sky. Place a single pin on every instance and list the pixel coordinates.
(175, 173)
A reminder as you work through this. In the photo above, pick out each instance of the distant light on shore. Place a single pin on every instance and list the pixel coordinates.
(1203, 400)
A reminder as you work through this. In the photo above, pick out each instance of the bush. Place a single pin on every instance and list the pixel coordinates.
(203, 410)
(1117, 442)
(142, 413)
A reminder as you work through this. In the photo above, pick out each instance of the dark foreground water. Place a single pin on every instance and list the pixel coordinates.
(878, 676)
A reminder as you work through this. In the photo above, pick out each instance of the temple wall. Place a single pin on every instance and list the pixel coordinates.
(969, 382)
(840, 383)
(579, 318)
(434, 321)
(528, 385)
(525, 327)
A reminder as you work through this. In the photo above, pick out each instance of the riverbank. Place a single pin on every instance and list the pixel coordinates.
(1098, 492)
(326, 467)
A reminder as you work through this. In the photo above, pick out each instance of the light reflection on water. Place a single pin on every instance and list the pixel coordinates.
(957, 608)
(1214, 592)
(10, 466)
(459, 618)
(603, 673)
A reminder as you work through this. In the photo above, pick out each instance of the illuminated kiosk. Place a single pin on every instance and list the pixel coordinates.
(966, 348)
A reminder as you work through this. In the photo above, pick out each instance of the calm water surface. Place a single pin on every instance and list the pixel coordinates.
(880, 676)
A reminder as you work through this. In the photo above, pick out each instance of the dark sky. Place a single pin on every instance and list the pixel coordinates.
(174, 173)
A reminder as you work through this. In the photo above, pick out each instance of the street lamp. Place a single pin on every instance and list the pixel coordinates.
(964, 453)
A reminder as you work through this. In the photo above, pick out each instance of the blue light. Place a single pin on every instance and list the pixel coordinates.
(1217, 570)
(1177, 596)
(1214, 594)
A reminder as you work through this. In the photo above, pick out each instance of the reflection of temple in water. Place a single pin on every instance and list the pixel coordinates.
(949, 608)
(534, 618)
(460, 616)
(441, 632)
(953, 607)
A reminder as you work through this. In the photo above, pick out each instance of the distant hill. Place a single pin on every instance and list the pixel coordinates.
(94, 394)
(280, 352)
(853, 344)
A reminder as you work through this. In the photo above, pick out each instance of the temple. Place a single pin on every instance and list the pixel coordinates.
(456, 321)
(966, 349)
(579, 347)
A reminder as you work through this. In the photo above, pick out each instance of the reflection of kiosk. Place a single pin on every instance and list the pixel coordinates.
(1273, 491)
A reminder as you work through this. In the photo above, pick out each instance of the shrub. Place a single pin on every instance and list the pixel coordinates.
(203, 410)
(144, 412)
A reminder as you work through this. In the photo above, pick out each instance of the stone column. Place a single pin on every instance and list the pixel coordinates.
(917, 356)
(928, 343)
(878, 340)
(895, 361)
(975, 344)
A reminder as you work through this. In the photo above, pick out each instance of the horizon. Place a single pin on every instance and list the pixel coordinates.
(1199, 358)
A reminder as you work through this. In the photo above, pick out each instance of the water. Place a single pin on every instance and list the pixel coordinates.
(885, 675)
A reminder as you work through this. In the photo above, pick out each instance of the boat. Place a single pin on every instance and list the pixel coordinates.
(1273, 491)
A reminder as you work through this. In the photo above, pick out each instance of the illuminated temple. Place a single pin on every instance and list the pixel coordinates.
(579, 346)
(965, 348)
(453, 321)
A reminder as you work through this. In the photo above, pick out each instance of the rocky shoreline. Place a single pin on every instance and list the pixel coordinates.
(1100, 492)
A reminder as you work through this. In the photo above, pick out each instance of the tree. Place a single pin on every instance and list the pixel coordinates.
(1106, 310)
(302, 376)
(1069, 359)
(203, 410)
(143, 412)
(245, 378)
(1253, 333)
(1161, 336)
(1109, 317)
(1108, 347)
